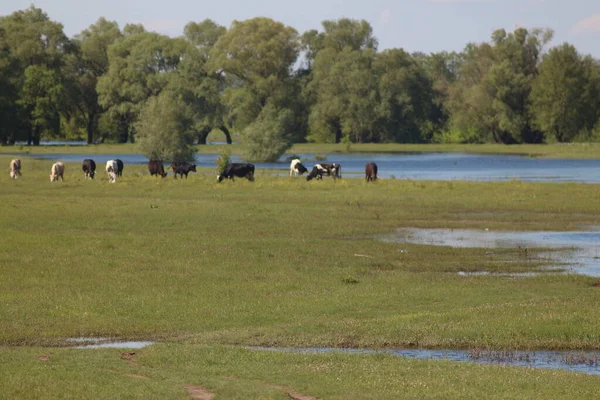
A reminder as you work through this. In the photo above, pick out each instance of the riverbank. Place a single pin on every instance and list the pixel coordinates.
(567, 150)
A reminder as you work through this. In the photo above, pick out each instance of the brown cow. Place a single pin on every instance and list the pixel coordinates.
(15, 168)
(156, 168)
(371, 172)
(57, 171)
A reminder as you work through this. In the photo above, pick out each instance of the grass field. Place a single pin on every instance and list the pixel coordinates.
(564, 150)
(206, 269)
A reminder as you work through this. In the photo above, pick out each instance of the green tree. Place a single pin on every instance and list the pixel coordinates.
(565, 94)
(165, 129)
(256, 56)
(140, 66)
(34, 48)
(267, 138)
(85, 69)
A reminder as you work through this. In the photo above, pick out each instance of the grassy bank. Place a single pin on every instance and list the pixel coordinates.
(282, 262)
(164, 371)
(567, 150)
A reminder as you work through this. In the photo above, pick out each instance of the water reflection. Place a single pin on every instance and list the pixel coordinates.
(580, 251)
(584, 362)
(106, 343)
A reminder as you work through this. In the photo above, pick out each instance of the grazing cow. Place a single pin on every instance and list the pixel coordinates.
(239, 170)
(112, 170)
(156, 168)
(296, 167)
(119, 167)
(319, 170)
(57, 171)
(182, 168)
(371, 172)
(15, 168)
(89, 168)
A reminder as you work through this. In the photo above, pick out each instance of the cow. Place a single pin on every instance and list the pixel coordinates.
(57, 171)
(89, 168)
(156, 168)
(112, 170)
(15, 168)
(239, 170)
(296, 167)
(319, 170)
(182, 168)
(371, 172)
(119, 167)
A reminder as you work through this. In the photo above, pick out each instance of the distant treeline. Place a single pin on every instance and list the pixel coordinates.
(274, 86)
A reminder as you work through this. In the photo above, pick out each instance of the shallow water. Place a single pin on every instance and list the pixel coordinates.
(580, 251)
(584, 362)
(415, 166)
(105, 343)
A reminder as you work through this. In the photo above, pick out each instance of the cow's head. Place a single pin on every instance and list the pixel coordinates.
(220, 178)
(193, 167)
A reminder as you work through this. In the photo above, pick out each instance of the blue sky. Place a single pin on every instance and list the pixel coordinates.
(415, 25)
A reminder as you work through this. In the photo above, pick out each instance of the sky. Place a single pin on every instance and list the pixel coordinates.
(414, 25)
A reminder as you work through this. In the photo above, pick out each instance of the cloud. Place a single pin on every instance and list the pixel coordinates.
(384, 17)
(587, 25)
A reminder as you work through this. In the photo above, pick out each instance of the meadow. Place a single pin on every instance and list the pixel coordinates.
(207, 269)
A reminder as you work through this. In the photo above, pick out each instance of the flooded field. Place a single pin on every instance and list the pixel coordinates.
(579, 251)
(583, 362)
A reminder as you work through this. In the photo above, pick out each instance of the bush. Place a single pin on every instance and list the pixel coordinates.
(267, 138)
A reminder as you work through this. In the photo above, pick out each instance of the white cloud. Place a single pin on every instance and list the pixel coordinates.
(587, 25)
(384, 17)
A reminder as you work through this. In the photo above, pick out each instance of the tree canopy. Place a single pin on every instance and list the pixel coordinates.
(268, 85)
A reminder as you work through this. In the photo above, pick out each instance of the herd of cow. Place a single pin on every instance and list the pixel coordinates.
(114, 169)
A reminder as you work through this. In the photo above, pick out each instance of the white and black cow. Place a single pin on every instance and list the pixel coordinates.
(296, 167)
(333, 169)
(112, 169)
(89, 168)
(15, 168)
(240, 170)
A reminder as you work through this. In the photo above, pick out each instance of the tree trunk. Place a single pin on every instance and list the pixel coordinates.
(203, 134)
(226, 132)
(90, 129)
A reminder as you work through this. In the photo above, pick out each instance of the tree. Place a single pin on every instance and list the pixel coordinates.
(565, 95)
(140, 66)
(164, 129)
(256, 56)
(34, 49)
(267, 138)
(87, 66)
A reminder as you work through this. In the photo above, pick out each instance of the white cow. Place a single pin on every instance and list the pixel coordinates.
(296, 167)
(57, 171)
(112, 170)
(15, 168)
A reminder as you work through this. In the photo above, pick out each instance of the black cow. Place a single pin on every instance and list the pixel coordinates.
(156, 168)
(182, 168)
(119, 167)
(239, 170)
(89, 168)
(319, 170)
(371, 172)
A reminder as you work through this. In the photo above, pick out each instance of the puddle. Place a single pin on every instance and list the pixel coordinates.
(580, 251)
(105, 343)
(583, 362)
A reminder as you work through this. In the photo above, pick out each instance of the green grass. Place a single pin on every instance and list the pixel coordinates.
(280, 262)
(565, 150)
(162, 371)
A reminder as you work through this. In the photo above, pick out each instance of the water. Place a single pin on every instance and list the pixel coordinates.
(105, 343)
(584, 362)
(580, 251)
(420, 166)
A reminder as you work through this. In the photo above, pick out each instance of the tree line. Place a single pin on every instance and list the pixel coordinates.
(272, 86)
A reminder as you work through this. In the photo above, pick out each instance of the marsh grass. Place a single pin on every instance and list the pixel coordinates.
(274, 263)
(162, 371)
